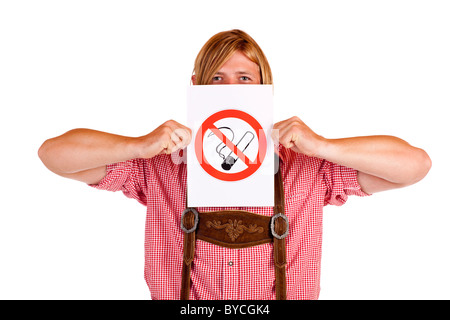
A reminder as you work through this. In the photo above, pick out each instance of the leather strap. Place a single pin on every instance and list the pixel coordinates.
(238, 229)
(188, 221)
(279, 245)
(279, 255)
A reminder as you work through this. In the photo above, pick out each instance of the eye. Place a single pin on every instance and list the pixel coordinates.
(244, 78)
(217, 78)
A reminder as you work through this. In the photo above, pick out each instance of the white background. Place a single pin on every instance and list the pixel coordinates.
(347, 68)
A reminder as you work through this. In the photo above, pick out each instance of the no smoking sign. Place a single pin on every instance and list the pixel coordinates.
(230, 160)
(230, 145)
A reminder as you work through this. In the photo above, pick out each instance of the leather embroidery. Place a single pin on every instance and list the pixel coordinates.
(234, 228)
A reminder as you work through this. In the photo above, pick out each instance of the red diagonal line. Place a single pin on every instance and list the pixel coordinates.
(231, 145)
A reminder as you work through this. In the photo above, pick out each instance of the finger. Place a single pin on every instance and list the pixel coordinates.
(282, 127)
(286, 122)
(275, 134)
(168, 147)
(176, 139)
(287, 136)
(279, 130)
(181, 136)
(176, 125)
(286, 141)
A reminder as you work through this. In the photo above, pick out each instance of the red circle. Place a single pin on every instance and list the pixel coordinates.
(251, 167)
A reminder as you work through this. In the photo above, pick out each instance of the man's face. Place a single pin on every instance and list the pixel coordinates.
(238, 70)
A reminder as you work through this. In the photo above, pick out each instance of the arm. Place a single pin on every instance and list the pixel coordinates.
(83, 154)
(383, 162)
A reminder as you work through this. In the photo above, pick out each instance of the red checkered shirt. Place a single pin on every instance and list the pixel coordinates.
(224, 273)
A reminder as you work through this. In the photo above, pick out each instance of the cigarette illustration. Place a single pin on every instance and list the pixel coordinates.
(244, 142)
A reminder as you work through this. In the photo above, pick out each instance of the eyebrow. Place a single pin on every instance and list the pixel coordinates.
(238, 72)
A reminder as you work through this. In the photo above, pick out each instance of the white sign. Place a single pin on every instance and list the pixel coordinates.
(230, 161)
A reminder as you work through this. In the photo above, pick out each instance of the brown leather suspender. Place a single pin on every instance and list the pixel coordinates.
(280, 228)
(237, 229)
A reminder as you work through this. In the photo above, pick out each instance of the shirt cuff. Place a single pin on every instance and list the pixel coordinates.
(116, 175)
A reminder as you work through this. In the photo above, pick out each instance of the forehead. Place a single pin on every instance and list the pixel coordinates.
(239, 62)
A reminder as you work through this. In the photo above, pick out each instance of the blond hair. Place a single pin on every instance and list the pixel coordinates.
(220, 47)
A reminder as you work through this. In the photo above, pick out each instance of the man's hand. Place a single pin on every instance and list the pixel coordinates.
(294, 134)
(166, 139)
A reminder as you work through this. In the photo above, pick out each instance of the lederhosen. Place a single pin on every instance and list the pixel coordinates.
(237, 229)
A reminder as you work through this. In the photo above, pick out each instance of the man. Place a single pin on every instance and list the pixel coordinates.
(315, 172)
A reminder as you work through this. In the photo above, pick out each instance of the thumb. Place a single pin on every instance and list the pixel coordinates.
(275, 134)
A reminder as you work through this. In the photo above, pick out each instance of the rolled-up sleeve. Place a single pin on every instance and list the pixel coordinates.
(127, 177)
(340, 183)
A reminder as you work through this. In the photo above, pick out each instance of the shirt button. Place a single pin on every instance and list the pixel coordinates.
(230, 263)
